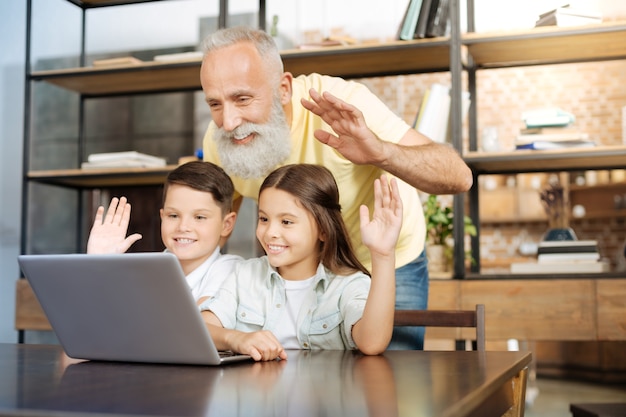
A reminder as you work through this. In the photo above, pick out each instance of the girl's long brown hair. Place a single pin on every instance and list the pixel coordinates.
(315, 187)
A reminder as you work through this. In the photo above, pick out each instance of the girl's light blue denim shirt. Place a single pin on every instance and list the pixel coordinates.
(252, 298)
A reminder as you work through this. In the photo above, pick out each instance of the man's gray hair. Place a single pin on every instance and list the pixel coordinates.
(261, 40)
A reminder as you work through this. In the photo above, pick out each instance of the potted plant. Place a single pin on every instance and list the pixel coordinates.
(439, 234)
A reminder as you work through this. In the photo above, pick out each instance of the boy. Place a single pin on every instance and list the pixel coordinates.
(196, 216)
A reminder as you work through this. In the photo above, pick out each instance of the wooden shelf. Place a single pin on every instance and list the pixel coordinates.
(101, 178)
(370, 60)
(148, 77)
(503, 277)
(401, 57)
(612, 186)
(545, 45)
(601, 157)
(548, 45)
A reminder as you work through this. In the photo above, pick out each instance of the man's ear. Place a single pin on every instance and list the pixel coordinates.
(285, 88)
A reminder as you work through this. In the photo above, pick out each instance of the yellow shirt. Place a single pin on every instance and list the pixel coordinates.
(355, 182)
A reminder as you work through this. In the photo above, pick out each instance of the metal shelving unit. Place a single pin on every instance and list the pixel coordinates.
(459, 53)
(536, 46)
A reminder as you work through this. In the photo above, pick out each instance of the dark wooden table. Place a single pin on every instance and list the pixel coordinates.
(40, 380)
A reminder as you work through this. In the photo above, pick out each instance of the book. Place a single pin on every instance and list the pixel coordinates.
(542, 130)
(576, 250)
(567, 246)
(420, 113)
(181, 56)
(573, 257)
(123, 163)
(330, 41)
(568, 257)
(560, 267)
(409, 22)
(567, 243)
(122, 159)
(568, 16)
(569, 9)
(117, 62)
(565, 20)
(110, 156)
(422, 21)
(548, 117)
(571, 136)
(548, 144)
(433, 120)
(438, 23)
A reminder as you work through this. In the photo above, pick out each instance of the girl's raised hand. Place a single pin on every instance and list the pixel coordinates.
(380, 234)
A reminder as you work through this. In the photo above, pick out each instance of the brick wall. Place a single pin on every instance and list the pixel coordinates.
(594, 92)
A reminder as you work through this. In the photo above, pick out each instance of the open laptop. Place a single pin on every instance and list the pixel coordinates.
(133, 307)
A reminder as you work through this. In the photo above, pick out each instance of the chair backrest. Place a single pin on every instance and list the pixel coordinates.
(446, 318)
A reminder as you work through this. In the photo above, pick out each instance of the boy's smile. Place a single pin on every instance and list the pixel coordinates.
(191, 225)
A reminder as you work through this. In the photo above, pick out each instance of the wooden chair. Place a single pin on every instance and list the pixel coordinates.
(28, 312)
(446, 318)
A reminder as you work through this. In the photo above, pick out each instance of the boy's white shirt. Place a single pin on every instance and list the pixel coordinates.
(205, 280)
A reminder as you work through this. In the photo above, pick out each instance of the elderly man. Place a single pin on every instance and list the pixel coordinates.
(264, 117)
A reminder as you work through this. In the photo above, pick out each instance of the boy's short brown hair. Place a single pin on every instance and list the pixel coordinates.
(204, 176)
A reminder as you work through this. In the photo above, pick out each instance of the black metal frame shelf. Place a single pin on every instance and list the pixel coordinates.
(537, 46)
(523, 161)
(458, 54)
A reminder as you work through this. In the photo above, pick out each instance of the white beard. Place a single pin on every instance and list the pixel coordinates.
(270, 147)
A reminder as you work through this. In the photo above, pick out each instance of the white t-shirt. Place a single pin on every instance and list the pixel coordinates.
(287, 330)
(205, 280)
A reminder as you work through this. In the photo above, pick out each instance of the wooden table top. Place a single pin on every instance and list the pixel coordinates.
(41, 380)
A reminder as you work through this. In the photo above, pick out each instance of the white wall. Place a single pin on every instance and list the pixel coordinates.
(154, 25)
(11, 102)
(509, 14)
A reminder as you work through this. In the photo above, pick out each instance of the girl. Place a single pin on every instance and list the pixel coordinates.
(310, 291)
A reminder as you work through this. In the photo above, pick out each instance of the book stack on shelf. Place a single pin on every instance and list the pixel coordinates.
(568, 16)
(424, 19)
(550, 128)
(126, 159)
(564, 256)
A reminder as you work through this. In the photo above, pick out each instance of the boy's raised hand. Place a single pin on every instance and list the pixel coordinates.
(108, 233)
(380, 234)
